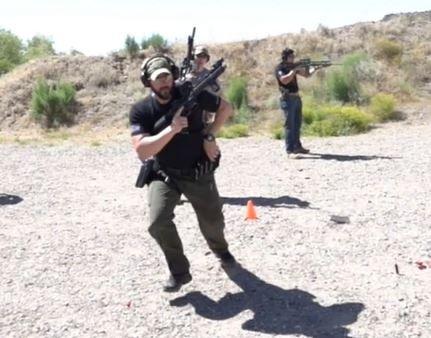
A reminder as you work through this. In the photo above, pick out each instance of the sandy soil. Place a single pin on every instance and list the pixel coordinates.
(76, 259)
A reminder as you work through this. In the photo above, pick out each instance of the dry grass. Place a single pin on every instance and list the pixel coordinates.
(84, 134)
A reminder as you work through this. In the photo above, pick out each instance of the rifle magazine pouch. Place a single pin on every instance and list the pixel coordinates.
(205, 166)
(145, 173)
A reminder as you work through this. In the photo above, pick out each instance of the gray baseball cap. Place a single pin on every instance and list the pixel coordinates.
(201, 50)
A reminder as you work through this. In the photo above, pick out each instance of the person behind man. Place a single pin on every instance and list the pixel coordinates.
(200, 62)
(178, 148)
(286, 73)
(199, 70)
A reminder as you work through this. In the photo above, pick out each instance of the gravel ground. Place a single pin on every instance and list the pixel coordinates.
(76, 259)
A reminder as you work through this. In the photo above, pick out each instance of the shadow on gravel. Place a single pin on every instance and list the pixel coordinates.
(276, 311)
(312, 156)
(275, 202)
(6, 199)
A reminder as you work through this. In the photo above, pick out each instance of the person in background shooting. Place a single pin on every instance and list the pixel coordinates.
(176, 153)
(286, 73)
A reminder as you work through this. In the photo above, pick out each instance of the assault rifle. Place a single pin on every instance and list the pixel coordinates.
(187, 66)
(188, 95)
(307, 63)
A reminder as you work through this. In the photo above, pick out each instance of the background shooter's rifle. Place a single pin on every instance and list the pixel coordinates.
(307, 63)
(189, 93)
(186, 66)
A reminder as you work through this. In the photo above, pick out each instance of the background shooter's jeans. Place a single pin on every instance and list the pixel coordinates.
(292, 109)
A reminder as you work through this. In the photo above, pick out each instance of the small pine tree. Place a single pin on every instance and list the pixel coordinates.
(132, 46)
(237, 92)
(51, 104)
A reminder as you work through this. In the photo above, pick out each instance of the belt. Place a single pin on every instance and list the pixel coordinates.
(188, 172)
(284, 95)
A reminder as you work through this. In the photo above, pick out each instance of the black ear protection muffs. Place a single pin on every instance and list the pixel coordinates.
(146, 65)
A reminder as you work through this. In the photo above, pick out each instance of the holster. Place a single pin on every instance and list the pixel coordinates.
(146, 173)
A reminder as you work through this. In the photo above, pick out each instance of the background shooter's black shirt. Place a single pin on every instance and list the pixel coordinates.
(185, 149)
(283, 69)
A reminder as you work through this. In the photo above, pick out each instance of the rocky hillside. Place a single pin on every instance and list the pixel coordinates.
(106, 86)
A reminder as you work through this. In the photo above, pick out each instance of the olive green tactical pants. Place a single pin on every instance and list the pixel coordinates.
(205, 200)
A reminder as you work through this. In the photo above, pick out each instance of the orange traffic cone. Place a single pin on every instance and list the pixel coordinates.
(251, 212)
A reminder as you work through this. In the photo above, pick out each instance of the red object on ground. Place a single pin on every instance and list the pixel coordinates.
(421, 265)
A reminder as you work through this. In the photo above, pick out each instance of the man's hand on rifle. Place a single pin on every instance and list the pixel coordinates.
(179, 122)
(313, 69)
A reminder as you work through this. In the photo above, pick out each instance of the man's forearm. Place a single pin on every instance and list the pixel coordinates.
(151, 145)
(285, 79)
(222, 115)
(305, 72)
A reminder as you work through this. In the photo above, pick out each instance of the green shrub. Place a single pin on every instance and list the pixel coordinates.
(382, 106)
(237, 92)
(234, 131)
(5, 66)
(389, 50)
(132, 47)
(342, 84)
(312, 111)
(277, 131)
(156, 41)
(338, 86)
(52, 104)
(10, 51)
(406, 88)
(272, 103)
(242, 116)
(39, 46)
(335, 120)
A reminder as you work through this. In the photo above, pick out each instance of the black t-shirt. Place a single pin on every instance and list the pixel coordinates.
(283, 69)
(185, 148)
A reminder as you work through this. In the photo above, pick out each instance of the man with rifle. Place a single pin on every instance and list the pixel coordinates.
(286, 73)
(167, 127)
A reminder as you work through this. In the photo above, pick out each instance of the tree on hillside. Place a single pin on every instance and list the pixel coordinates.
(10, 51)
(132, 46)
(157, 41)
(39, 46)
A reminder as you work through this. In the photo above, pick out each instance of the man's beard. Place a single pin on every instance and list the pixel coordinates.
(164, 93)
